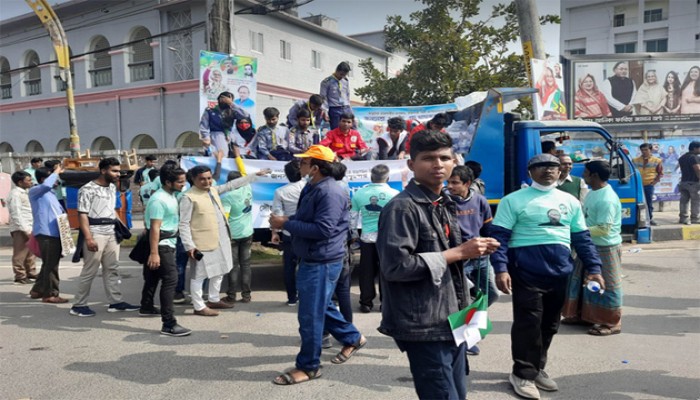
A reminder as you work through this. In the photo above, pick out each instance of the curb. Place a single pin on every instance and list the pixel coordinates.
(668, 233)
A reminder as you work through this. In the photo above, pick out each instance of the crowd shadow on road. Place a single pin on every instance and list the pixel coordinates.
(164, 366)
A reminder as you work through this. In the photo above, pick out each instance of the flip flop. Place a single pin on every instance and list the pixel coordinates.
(600, 330)
(287, 378)
(343, 355)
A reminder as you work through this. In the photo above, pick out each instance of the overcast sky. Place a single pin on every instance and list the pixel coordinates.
(356, 16)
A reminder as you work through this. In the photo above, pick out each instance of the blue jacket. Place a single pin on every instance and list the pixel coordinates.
(319, 229)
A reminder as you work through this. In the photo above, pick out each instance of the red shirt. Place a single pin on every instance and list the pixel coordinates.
(344, 145)
(418, 128)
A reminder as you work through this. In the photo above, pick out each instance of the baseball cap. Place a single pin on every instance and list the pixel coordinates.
(318, 152)
(543, 159)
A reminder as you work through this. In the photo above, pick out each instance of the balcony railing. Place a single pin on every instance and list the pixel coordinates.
(624, 21)
(33, 86)
(6, 91)
(141, 71)
(101, 76)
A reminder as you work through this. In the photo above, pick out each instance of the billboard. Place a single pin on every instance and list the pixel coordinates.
(219, 72)
(549, 101)
(631, 90)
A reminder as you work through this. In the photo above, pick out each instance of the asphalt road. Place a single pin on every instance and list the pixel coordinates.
(47, 354)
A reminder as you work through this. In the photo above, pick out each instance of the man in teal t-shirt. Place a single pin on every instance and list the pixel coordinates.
(367, 203)
(536, 227)
(239, 203)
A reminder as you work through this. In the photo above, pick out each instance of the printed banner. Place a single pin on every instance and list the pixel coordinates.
(668, 150)
(626, 91)
(549, 101)
(219, 72)
(372, 120)
(357, 176)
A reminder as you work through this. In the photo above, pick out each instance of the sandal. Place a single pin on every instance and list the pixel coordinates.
(294, 376)
(602, 330)
(348, 351)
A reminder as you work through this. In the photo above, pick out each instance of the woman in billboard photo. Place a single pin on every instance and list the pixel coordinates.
(690, 92)
(589, 102)
(672, 100)
(650, 95)
(551, 97)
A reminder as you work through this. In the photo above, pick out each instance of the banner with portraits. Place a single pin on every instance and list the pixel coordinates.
(549, 102)
(634, 91)
(219, 72)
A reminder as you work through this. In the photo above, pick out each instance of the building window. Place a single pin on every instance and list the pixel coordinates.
(141, 57)
(100, 63)
(180, 45)
(285, 50)
(656, 46)
(256, 42)
(32, 79)
(315, 59)
(574, 52)
(653, 15)
(626, 48)
(5, 79)
(619, 20)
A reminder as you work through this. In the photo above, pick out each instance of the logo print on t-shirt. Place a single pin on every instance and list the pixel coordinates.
(554, 218)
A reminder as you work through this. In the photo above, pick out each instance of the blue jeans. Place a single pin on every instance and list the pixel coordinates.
(342, 288)
(648, 196)
(315, 284)
(181, 258)
(290, 268)
(438, 369)
(479, 269)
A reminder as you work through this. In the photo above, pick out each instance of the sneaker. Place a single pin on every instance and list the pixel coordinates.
(523, 387)
(23, 281)
(83, 311)
(149, 312)
(326, 342)
(292, 303)
(32, 277)
(365, 309)
(123, 306)
(653, 223)
(175, 330)
(180, 298)
(544, 382)
(684, 222)
(473, 351)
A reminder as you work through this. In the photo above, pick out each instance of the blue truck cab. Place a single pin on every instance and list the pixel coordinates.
(503, 144)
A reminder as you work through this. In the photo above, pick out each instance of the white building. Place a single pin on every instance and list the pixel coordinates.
(145, 94)
(629, 26)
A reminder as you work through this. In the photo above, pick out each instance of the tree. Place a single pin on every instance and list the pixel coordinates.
(449, 54)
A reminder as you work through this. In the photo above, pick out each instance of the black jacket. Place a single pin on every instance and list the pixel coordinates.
(419, 289)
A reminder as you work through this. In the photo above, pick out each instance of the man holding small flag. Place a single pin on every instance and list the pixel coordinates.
(422, 280)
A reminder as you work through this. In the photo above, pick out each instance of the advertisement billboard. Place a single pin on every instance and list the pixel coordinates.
(219, 72)
(635, 89)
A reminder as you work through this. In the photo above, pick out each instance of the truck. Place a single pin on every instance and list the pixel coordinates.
(503, 144)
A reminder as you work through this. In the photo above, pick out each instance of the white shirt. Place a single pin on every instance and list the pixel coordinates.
(20, 210)
(286, 199)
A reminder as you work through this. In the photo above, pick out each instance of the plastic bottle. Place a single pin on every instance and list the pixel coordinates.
(594, 287)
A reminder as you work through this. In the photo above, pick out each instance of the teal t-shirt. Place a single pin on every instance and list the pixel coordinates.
(536, 217)
(602, 207)
(369, 201)
(239, 205)
(163, 206)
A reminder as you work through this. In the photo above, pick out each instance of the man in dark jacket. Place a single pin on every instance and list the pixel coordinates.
(537, 226)
(422, 280)
(319, 230)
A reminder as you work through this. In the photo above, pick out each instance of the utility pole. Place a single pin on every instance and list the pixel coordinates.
(530, 33)
(219, 26)
(60, 44)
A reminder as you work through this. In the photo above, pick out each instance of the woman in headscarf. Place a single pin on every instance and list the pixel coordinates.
(589, 102)
(650, 95)
(550, 96)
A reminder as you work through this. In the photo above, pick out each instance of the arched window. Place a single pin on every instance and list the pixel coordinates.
(141, 57)
(102, 143)
(143, 142)
(6, 148)
(32, 77)
(5, 78)
(34, 147)
(63, 145)
(188, 139)
(100, 62)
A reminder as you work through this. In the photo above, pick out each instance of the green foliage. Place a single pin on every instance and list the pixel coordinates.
(450, 54)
